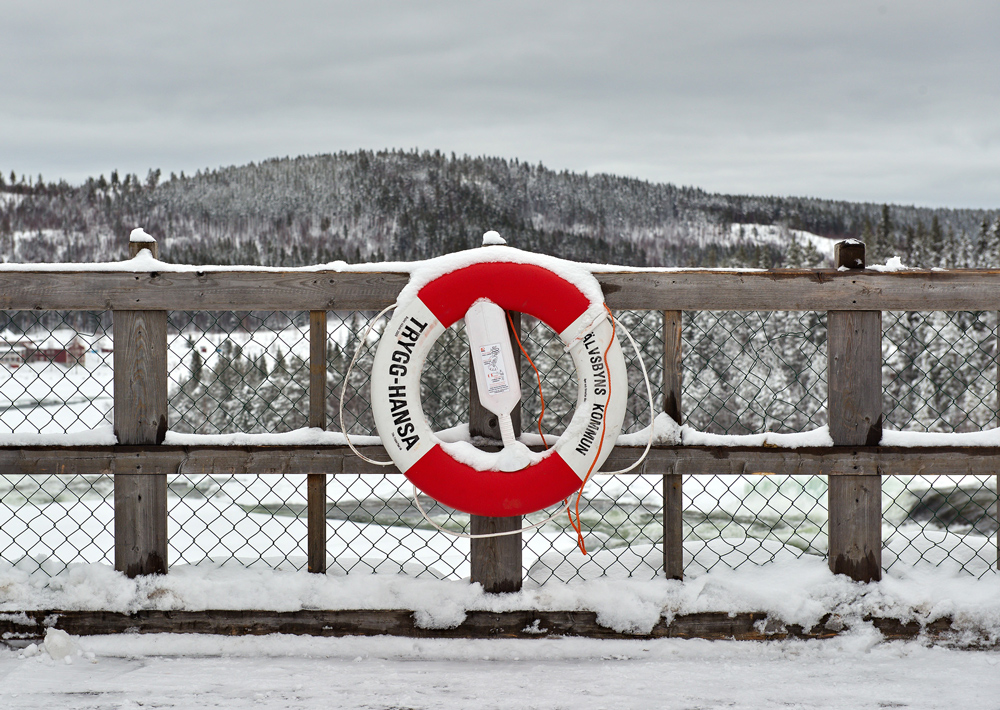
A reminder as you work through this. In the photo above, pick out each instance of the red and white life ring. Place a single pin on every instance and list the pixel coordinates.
(539, 292)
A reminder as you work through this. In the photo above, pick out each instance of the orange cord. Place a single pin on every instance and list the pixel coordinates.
(579, 494)
(537, 376)
(575, 524)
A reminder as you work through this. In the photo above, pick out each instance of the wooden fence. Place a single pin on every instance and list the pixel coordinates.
(853, 297)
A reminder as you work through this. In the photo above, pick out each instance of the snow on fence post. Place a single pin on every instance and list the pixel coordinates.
(673, 495)
(496, 562)
(854, 341)
(140, 416)
(316, 482)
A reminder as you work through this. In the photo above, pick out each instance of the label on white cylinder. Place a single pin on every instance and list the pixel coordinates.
(494, 368)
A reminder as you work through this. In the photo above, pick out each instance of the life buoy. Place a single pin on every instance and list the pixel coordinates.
(586, 332)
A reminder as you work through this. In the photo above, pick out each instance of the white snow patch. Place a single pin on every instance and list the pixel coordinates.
(986, 437)
(892, 264)
(509, 458)
(61, 646)
(139, 235)
(307, 436)
(492, 238)
(98, 436)
(813, 437)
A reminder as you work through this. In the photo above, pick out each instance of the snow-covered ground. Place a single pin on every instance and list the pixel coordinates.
(183, 671)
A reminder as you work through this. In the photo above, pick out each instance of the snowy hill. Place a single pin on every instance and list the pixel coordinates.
(368, 206)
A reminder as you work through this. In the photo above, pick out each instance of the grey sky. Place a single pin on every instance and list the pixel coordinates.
(867, 101)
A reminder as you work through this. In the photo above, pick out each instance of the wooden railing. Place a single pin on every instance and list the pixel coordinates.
(853, 297)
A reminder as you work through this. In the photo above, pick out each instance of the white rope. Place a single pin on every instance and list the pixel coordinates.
(479, 536)
(347, 378)
(416, 499)
(652, 414)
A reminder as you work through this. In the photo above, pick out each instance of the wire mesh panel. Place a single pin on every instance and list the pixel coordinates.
(49, 522)
(621, 519)
(746, 373)
(732, 521)
(939, 374)
(940, 521)
(56, 378)
(444, 383)
(238, 372)
(374, 526)
(56, 373)
(749, 373)
(345, 335)
(249, 519)
(939, 370)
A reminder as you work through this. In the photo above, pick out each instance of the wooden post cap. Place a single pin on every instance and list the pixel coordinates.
(850, 254)
(139, 240)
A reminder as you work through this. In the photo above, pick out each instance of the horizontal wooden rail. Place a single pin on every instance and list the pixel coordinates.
(683, 460)
(199, 291)
(779, 290)
(525, 624)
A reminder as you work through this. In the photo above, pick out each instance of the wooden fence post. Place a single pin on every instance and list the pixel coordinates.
(140, 418)
(496, 561)
(316, 482)
(673, 495)
(854, 341)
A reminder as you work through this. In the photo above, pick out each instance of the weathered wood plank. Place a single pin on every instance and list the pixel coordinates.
(855, 416)
(683, 460)
(140, 524)
(140, 418)
(673, 494)
(855, 526)
(854, 411)
(779, 290)
(673, 365)
(525, 624)
(199, 291)
(495, 562)
(797, 290)
(317, 369)
(140, 376)
(854, 342)
(316, 482)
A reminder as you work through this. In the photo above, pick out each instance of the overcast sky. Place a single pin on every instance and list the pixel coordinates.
(891, 101)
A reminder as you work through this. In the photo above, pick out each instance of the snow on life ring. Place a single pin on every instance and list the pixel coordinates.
(539, 292)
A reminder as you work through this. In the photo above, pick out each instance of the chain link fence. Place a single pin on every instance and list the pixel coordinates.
(744, 373)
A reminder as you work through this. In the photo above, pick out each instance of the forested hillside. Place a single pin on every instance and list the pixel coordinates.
(367, 206)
